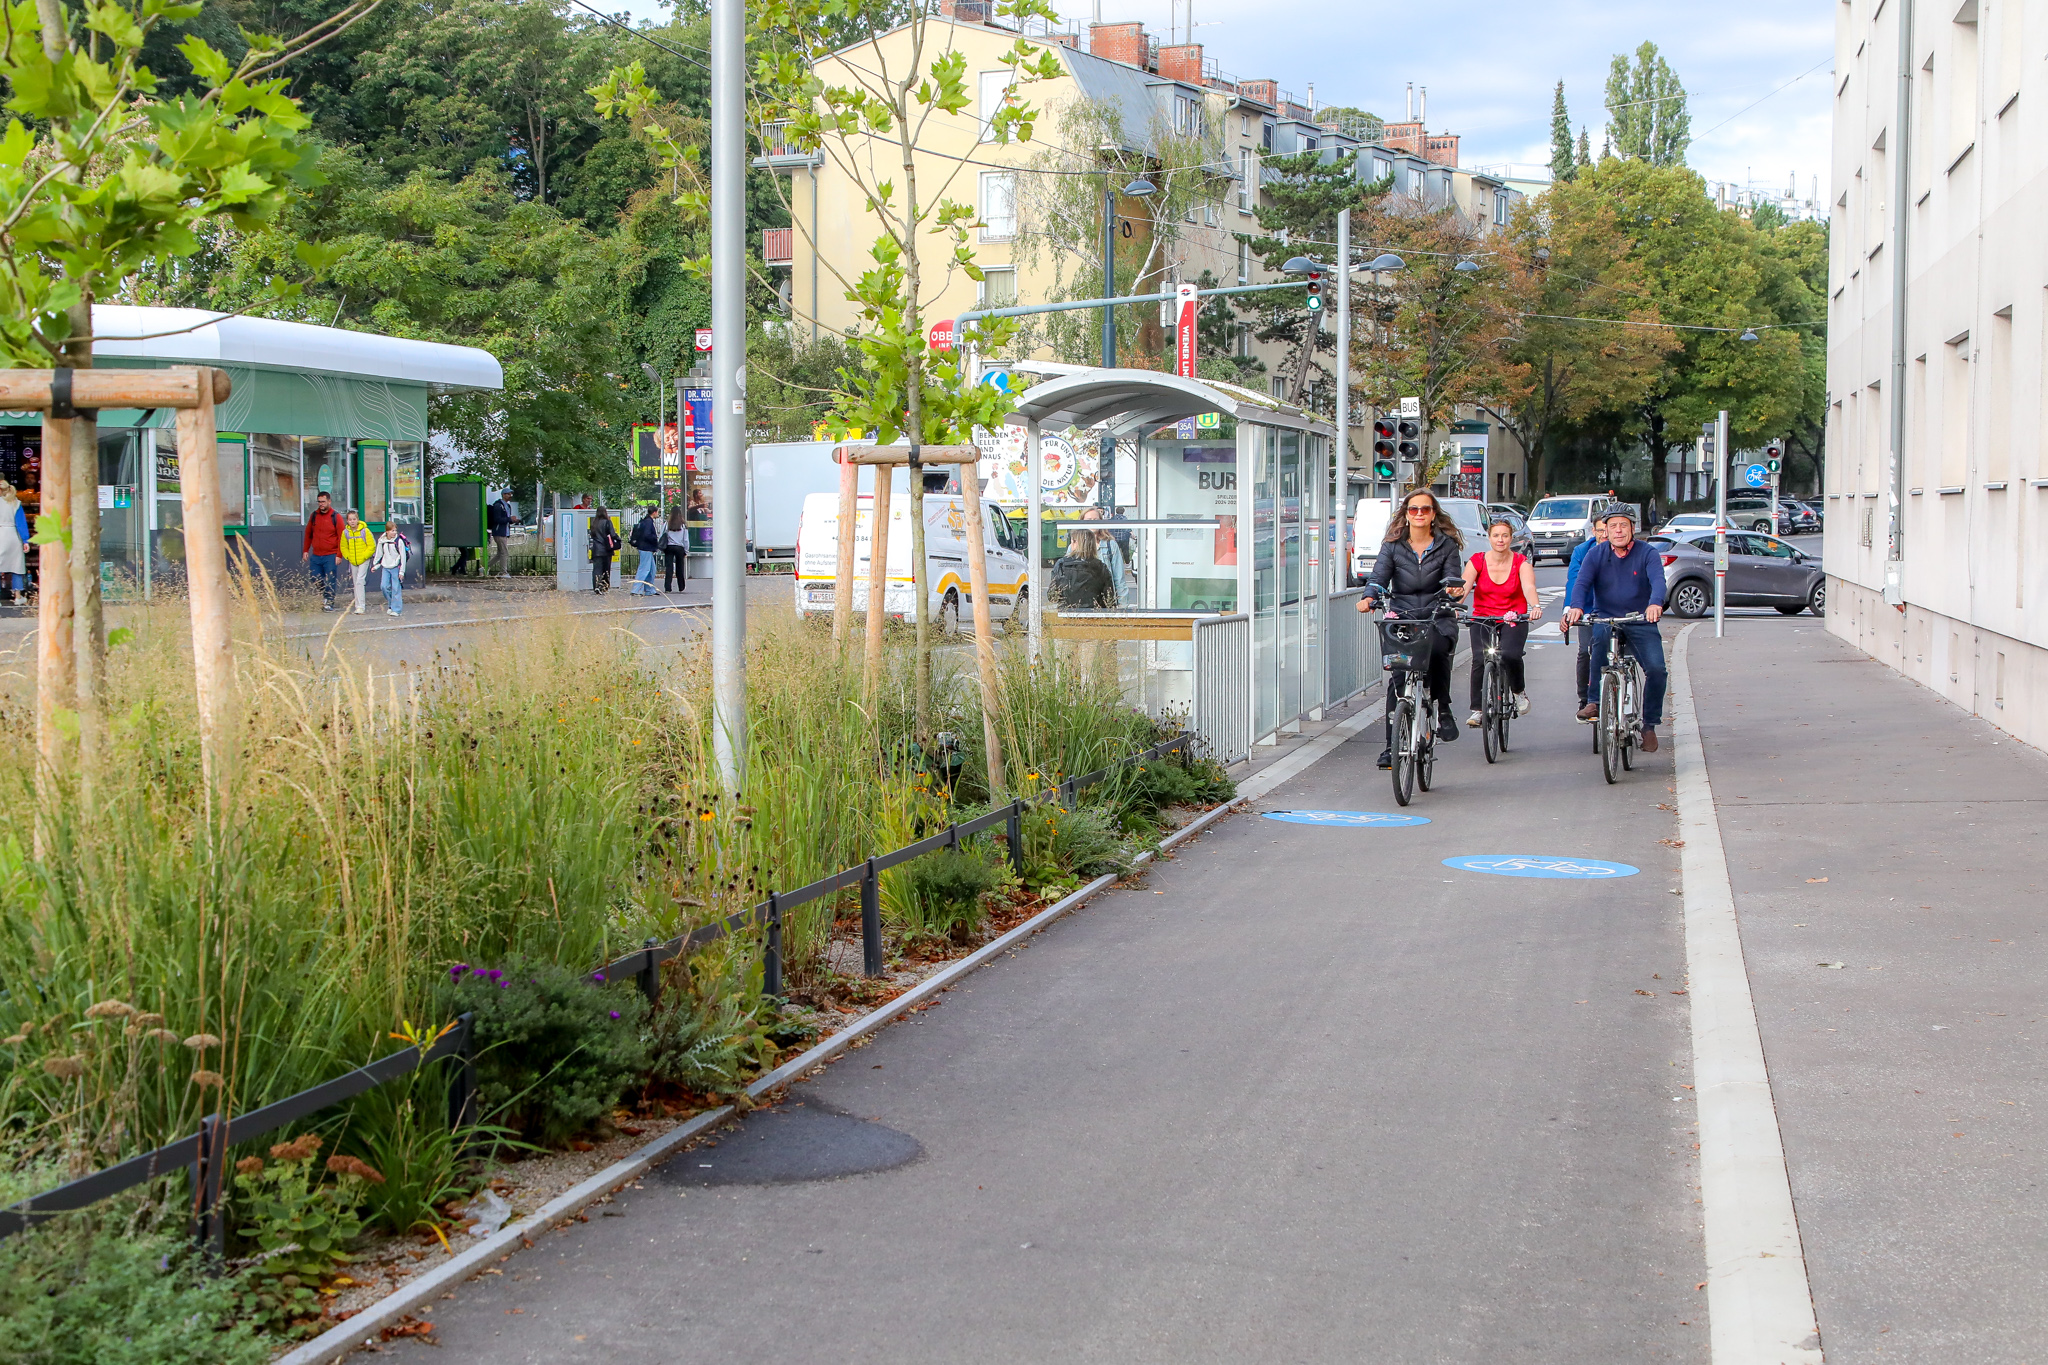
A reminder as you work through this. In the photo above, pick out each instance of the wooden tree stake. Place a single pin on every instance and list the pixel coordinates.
(206, 569)
(842, 581)
(878, 575)
(984, 630)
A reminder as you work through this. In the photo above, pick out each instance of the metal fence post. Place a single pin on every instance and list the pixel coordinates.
(207, 1228)
(650, 975)
(771, 958)
(871, 921)
(1015, 832)
(462, 1094)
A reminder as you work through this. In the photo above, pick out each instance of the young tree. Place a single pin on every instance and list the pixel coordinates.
(112, 177)
(1582, 156)
(1561, 163)
(1646, 115)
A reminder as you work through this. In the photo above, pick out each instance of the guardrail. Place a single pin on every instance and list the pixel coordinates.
(1350, 650)
(1223, 686)
(203, 1155)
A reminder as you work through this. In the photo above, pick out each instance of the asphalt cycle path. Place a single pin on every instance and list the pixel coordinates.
(1303, 1093)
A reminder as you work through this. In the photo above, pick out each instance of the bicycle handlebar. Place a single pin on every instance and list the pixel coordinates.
(1613, 620)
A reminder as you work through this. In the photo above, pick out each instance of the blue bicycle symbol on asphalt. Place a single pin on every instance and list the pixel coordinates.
(1351, 819)
(1540, 865)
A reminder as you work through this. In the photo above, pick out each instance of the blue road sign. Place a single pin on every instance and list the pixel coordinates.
(1541, 865)
(1756, 476)
(1351, 819)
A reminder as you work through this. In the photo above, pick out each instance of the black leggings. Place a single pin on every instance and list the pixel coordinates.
(1436, 678)
(1513, 640)
(674, 572)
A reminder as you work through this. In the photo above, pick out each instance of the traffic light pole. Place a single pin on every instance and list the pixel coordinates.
(1720, 523)
(1343, 554)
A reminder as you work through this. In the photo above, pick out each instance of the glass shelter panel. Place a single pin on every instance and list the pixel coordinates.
(325, 461)
(274, 483)
(376, 458)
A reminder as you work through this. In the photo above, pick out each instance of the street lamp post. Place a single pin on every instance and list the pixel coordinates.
(728, 379)
(1137, 189)
(660, 406)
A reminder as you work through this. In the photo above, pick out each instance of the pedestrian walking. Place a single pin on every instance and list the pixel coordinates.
(675, 550)
(393, 552)
(1589, 677)
(358, 544)
(604, 543)
(13, 545)
(1080, 580)
(1502, 584)
(499, 517)
(319, 543)
(647, 540)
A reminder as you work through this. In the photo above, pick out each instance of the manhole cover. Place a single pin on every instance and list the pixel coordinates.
(793, 1143)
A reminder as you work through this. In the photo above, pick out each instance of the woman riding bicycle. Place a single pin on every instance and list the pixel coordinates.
(1504, 585)
(1421, 552)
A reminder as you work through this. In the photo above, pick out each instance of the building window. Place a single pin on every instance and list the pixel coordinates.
(1244, 262)
(998, 206)
(274, 484)
(1247, 172)
(1500, 207)
(997, 91)
(1381, 168)
(1187, 116)
(1241, 339)
(998, 288)
(1308, 144)
(1266, 137)
(1211, 213)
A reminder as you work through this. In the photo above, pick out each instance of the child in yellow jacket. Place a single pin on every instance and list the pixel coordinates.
(358, 543)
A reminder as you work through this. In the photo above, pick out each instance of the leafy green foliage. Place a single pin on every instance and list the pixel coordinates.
(104, 1287)
(1646, 111)
(948, 892)
(300, 1225)
(705, 1034)
(553, 1053)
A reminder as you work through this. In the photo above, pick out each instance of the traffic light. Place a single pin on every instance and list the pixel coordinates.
(1383, 449)
(1410, 444)
(1315, 291)
(1773, 459)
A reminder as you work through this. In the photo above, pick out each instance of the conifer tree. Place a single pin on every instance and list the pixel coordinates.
(1561, 165)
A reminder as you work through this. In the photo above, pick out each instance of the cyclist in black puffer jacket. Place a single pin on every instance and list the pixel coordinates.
(1423, 549)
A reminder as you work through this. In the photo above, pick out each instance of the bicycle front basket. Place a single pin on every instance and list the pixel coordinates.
(1406, 645)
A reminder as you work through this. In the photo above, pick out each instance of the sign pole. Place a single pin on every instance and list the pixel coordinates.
(1340, 570)
(1721, 456)
(728, 381)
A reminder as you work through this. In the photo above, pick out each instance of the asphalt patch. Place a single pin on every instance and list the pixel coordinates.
(791, 1144)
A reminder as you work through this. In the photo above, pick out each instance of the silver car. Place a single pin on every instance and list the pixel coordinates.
(1763, 571)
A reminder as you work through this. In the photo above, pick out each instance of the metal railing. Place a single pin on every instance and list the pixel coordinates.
(1350, 649)
(1223, 686)
(203, 1155)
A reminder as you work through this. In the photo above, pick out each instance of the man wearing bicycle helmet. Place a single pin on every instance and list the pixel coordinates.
(1421, 559)
(1626, 577)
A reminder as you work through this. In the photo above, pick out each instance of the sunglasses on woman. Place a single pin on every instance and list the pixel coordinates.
(1422, 511)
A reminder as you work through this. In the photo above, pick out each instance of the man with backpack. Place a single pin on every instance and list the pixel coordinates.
(500, 521)
(647, 540)
(319, 544)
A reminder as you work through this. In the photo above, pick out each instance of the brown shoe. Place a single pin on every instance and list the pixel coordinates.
(1590, 711)
(1649, 740)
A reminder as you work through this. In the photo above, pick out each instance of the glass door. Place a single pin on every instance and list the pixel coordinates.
(373, 464)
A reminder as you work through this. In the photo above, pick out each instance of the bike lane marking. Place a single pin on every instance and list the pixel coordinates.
(1541, 865)
(1347, 819)
(1759, 1303)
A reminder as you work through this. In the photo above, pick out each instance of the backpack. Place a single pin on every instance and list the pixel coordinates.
(1078, 583)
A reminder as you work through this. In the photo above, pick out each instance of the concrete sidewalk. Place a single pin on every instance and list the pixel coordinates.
(1872, 825)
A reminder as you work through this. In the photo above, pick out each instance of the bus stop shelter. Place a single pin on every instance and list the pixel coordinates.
(1225, 550)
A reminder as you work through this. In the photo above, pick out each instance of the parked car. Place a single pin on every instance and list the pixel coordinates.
(1522, 543)
(1750, 513)
(945, 551)
(1763, 571)
(1369, 529)
(1557, 525)
(1687, 522)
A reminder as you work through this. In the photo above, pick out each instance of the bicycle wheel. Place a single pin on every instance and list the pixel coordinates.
(1425, 746)
(1507, 715)
(1404, 752)
(1609, 724)
(1631, 718)
(1489, 712)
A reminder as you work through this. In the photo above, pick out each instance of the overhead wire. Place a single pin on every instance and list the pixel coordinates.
(646, 37)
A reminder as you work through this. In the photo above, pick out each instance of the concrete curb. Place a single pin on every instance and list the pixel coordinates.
(359, 1330)
(1759, 1304)
(362, 1329)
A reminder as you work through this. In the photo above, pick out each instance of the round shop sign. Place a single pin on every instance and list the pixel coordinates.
(1541, 865)
(1350, 819)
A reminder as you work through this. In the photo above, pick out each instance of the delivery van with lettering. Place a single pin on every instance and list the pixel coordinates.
(951, 599)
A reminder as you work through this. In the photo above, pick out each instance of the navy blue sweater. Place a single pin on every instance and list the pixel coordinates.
(1621, 584)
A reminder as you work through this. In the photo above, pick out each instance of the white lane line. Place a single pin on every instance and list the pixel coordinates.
(1759, 1305)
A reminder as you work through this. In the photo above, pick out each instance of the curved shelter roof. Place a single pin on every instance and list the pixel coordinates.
(196, 336)
(1128, 400)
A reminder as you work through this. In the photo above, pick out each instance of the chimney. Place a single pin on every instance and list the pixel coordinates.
(1183, 63)
(1422, 108)
(1311, 97)
(967, 11)
(1118, 43)
(1411, 102)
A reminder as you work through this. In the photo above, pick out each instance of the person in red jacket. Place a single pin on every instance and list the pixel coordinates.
(318, 546)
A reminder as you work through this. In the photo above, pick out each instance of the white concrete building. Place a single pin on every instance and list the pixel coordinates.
(1937, 480)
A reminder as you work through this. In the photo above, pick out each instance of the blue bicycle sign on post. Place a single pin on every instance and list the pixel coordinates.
(1541, 865)
(1756, 476)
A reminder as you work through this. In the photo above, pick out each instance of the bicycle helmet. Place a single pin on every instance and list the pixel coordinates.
(1618, 509)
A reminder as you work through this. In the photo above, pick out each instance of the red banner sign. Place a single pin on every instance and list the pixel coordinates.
(1184, 330)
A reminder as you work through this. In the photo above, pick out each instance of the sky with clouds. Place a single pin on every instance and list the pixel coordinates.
(1490, 66)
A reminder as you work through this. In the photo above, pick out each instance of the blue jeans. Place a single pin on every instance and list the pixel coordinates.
(643, 577)
(394, 591)
(1647, 644)
(322, 569)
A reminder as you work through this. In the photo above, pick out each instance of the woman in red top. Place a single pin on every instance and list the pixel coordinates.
(1502, 583)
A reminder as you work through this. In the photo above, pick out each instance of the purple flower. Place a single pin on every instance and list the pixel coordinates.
(597, 976)
(615, 1014)
(455, 972)
(495, 975)
(504, 985)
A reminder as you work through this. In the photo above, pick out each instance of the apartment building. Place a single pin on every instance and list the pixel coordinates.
(1155, 92)
(1937, 481)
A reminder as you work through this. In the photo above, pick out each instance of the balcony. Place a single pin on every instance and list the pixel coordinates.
(778, 246)
(777, 153)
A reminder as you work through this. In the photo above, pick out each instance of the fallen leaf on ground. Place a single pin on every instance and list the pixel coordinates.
(1811, 880)
(1642, 992)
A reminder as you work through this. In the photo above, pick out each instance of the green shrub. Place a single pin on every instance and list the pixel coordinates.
(1064, 844)
(947, 893)
(401, 1130)
(300, 1225)
(555, 1047)
(704, 1035)
(100, 1287)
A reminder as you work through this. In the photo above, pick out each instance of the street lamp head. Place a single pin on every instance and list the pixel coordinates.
(1467, 267)
(1140, 187)
(652, 377)
(1749, 334)
(1386, 261)
(1299, 265)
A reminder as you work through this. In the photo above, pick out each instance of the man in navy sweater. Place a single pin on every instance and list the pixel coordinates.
(1624, 577)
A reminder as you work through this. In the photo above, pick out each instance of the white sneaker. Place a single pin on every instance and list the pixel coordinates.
(1472, 721)
(389, 612)
(1521, 703)
(359, 611)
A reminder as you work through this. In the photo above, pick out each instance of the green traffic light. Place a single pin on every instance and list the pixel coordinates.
(1383, 469)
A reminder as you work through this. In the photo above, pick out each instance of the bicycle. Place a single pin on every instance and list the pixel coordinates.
(1406, 644)
(1618, 729)
(1496, 704)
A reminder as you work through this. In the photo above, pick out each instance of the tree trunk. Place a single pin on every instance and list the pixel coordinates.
(913, 323)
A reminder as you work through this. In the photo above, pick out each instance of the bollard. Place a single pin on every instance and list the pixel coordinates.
(771, 957)
(208, 1229)
(462, 1094)
(650, 975)
(871, 921)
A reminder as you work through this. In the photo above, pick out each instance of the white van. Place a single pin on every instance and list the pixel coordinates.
(945, 550)
(1558, 525)
(1369, 528)
(780, 475)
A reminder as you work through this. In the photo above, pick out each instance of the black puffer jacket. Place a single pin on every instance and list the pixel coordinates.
(1410, 582)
